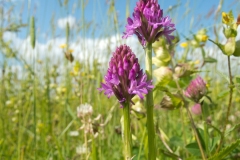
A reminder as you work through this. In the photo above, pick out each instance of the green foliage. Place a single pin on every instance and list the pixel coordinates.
(169, 154)
(210, 60)
(61, 86)
(193, 149)
(228, 131)
(32, 32)
(225, 151)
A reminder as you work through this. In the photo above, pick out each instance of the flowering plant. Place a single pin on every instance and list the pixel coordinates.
(148, 23)
(124, 78)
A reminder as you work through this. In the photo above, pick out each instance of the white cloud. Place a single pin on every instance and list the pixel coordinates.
(62, 22)
(93, 48)
(88, 49)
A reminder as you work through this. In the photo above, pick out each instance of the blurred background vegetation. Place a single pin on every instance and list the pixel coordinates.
(43, 83)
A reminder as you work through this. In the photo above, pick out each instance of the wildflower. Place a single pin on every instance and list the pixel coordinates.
(202, 38)
(76, 67)
(148, 23)
(184, 44)
(63, 46)
(39, 61)
(201, 35)
(82, 149)
(227, 18)
(52, 85)
(61, 90)
(124, 78)
(17, 111)
(73, 133)
(40, 126)
(9, 103)
(196, 90)
(196, 109)
(14, 119)
(84, 109)
(70, 50)
(197, 62)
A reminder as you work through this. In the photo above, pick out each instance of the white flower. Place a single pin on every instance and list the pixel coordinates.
(81, 149)
(84, 109)
(8, 103)
(74, 133)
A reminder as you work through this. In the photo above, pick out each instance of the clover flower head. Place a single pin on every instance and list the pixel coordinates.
(148, 23)
(124, 78)
(196, 109)
(196, 89)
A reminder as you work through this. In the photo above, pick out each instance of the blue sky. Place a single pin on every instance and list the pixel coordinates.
(184, 13)
(189, 16)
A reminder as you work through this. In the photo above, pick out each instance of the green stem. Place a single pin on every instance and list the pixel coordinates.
(206, 135)
(149, 106)
(229, 102)
(192, 122)
(141, 144)
(183, 129)
(94, 149)
(127, 138)
(34, 106)
(196, 134)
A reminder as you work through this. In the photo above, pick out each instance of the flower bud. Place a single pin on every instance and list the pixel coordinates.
(183, 70)
(229, 32)
(202, 38)
(163, 75)
(229, 48)
(162, 54)
(160, 43)
(171, 101)
(236, 53)
(194, 43)
(158, 62)
(179, 71)
(196, 109)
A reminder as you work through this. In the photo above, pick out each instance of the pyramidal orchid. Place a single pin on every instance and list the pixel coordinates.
(148, 23)
(124, 78)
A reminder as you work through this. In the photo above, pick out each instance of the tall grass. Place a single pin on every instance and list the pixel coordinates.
(38, 101)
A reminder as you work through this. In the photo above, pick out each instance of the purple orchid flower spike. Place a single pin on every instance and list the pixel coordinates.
(148, 23)
(124, 78)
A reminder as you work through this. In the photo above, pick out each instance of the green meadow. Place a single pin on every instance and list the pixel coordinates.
(50, 67)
